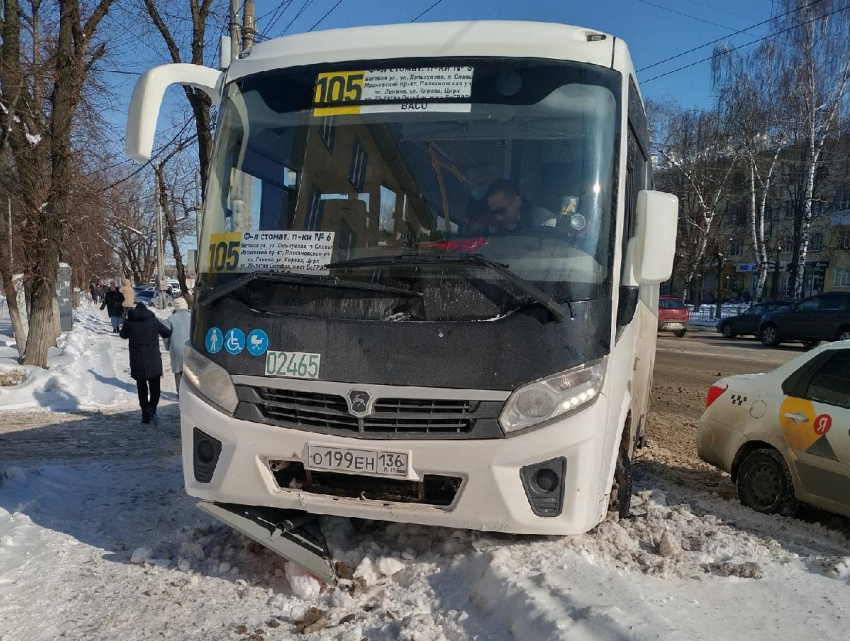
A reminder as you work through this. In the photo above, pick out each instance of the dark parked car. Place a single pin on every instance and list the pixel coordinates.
(147, 297)
(825, 317)
(748, 321)
(673, 315)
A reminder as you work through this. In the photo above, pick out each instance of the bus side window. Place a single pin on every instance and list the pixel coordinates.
(637, 168)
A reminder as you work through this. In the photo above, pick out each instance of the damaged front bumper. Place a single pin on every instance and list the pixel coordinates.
(474, 484)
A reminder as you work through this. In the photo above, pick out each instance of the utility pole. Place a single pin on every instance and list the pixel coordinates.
(249, 25)
(198, 207)
(240, 188)
(160, 254)
(234, 29)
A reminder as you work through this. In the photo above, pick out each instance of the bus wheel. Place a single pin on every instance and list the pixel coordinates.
(620, 499)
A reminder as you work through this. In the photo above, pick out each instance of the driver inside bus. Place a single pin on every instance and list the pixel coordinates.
(508, 210)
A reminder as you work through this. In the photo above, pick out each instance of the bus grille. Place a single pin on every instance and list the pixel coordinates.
(390, 417)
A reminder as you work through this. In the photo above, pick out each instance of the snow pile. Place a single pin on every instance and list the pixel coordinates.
(143, 563)
(88, 370)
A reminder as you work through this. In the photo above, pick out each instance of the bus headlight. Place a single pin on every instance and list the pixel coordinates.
(553, 397)
(210, 380)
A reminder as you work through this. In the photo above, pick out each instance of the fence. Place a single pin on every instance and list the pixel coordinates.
(707, 312)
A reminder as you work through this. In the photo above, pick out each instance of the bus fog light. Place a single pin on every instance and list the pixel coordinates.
(553, 397)
(543, 484)
(546, 480)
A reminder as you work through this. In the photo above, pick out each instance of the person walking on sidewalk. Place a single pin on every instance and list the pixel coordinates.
(143, 330)
(179, 325)
(112, 301)
(129, 295)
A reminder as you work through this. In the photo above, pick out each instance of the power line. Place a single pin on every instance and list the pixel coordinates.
(426, 10)
(768, 36)
(304, 7)
(278, 14)
(714, 42)
(686, 15)
(330, 11)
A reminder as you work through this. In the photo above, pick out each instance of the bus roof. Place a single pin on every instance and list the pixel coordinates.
(502, 38)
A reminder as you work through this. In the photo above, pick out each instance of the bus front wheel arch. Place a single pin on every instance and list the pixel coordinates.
(620, 497)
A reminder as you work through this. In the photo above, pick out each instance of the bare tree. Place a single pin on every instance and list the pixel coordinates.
(39, 133)
(750, 97)
(174, 189)
(693, 149)
(817, 75)
(171, 29)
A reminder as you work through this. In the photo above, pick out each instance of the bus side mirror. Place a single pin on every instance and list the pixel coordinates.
(655, 236)
(147, 98)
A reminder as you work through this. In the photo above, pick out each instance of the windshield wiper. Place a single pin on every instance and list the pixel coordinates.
(310, 280)
(501, 269)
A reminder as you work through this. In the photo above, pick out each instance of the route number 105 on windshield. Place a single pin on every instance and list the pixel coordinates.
(338, 92)
(223, 253)
(293, 364)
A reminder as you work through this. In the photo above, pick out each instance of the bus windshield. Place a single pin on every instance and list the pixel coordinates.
(511, 159)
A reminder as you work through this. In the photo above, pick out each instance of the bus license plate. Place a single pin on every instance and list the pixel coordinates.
(343, 459)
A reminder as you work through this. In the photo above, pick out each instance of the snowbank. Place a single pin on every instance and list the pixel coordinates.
(145, 564)
(88, 370)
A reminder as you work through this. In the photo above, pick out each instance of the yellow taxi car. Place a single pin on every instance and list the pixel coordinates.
(784, 436)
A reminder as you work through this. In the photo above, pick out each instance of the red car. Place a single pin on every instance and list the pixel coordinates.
(673, 315)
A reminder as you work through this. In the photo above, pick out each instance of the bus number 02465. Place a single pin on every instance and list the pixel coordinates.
(293, 364)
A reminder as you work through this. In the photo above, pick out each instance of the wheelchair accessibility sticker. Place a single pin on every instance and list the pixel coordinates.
(234, 341)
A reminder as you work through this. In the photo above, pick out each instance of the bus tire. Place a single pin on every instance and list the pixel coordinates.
(620, 499)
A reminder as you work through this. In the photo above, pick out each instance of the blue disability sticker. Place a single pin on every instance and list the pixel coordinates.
(258, 342)
(234, 341)
(214, 340)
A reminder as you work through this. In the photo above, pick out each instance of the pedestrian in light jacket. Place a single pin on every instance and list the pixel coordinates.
(179, 324)
(129, 295)
(113, 302)
(143, 330)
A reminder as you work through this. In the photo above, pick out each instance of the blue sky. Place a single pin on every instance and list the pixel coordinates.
(654, 30)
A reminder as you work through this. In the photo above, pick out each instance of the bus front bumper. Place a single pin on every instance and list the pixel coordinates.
(492, 494)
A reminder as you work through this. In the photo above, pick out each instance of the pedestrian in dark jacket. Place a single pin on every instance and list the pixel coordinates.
(113, 302)
(144, 329)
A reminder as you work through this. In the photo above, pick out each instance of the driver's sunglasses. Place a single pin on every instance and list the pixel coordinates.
(499, 211)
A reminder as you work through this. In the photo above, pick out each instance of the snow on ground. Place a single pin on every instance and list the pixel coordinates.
(108, 546)
(99, 541)
(88, 370)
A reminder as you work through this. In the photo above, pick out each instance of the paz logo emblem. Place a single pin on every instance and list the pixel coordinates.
(359, 402)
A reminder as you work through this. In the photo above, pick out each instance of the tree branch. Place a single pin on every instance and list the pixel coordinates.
(173, 49)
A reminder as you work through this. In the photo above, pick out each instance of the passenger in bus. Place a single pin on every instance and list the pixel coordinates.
(508, 211)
